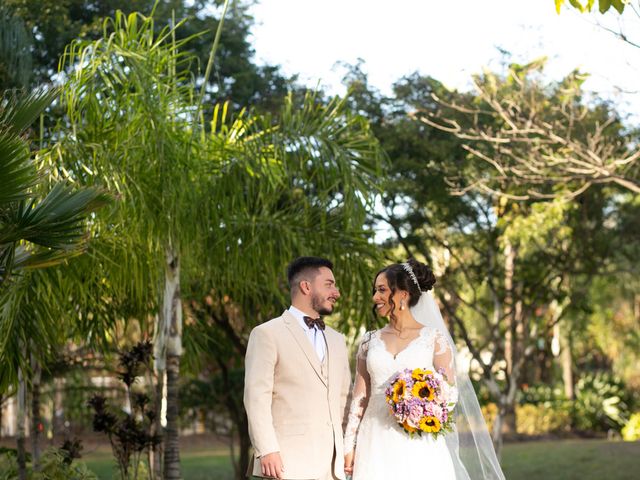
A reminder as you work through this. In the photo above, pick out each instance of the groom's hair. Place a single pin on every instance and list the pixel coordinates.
(305, 268)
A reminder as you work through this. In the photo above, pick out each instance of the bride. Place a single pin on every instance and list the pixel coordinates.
(375, 446)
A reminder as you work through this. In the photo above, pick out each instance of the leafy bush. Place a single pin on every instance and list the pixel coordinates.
(130, 434)
(542, 419)
(55, 464)
(8, 466)
(542, 394)
(532, 419)
(601, 403)
(631, 431)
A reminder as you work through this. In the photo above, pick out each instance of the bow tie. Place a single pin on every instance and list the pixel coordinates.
(314, 322)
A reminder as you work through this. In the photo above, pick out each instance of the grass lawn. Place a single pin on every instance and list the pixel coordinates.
(572, 460)
(197, 464)
(547, 460)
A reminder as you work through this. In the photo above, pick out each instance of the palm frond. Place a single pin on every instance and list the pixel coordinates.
(56, 221)
(17, 171)
(19, 111)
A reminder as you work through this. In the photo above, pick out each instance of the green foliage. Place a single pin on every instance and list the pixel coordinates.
(535, 419)
(542, 394)
(542, 419)
(601, 402)
(631, 431)
(54, 465)
(130, 433)
(543, 223)
(235, 76)
(15, 51)
(587, 5)
(42, 223)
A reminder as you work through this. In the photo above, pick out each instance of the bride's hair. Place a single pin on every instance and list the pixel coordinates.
(399, 278)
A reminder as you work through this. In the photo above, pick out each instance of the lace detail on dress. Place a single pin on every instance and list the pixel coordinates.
(360, 394)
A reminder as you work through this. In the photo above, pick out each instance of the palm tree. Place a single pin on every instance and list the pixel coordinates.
(220, 203)
(40, 226)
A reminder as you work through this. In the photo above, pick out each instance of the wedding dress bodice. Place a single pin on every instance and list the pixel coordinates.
(381, 442)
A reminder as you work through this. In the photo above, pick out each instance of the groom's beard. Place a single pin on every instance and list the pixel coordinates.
(318, 304)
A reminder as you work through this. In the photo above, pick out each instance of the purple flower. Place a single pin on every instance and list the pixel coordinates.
(416, 412)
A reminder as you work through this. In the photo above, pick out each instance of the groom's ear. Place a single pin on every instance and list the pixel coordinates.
(305, 287)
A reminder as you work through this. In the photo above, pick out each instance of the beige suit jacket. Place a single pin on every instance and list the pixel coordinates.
(291, 408)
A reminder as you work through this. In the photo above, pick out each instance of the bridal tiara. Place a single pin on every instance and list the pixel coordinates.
(409, 270)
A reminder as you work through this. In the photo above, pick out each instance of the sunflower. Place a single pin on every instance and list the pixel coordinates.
(423, 390)
(409, 428)
(419, 374)
(398, 390)
(430, 425)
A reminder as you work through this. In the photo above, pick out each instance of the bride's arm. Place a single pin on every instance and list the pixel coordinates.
(359, 396)
(443, 361)
(443, 357)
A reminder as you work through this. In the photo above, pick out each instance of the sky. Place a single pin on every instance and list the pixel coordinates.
(448, 40)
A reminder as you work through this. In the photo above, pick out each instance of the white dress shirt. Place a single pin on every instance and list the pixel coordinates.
(315, 336)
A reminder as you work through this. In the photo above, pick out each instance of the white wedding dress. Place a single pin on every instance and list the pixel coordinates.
(383, 450)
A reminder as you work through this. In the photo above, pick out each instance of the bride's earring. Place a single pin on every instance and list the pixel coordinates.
(402, 304)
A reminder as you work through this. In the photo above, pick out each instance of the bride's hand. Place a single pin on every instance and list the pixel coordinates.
(348, 463)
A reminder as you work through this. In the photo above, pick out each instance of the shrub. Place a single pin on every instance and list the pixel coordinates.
(542, 394)
(54, 465)
(631, 431)
(601, 402)
(534, 419)
(542, 419)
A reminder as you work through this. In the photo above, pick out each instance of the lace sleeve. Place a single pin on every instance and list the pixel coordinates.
(443, 361)
(359, 396)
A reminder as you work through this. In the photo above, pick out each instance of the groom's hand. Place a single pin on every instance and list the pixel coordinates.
(272, 465)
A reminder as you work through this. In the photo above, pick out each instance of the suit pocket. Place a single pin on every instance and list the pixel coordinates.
(291, 429)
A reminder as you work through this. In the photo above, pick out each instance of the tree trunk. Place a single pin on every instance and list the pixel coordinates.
(508, 305)
(566, 360)
(20, 433)
(509, 419)
(513, 333)
(36, 417)
(171, 321)
(496, 433)
(58, 407)
(157, 454)
(172, 450)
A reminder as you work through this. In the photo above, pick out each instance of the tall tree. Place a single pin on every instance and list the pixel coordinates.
(506, 268)
(236, 77)
(557, 148)
(200, 201)
(42, 223)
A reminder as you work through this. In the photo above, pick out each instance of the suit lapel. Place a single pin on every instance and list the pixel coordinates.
(331, 345)
(304, 343)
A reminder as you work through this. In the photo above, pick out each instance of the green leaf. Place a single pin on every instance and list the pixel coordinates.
(604, 5)
(619, 5)
(20, 112)
(576, 4)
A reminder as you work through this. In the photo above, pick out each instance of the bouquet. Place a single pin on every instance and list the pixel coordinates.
(421, 401)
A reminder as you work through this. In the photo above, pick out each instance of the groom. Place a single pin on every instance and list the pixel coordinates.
(297, 379)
